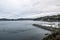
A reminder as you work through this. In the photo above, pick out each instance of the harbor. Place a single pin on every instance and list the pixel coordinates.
(54, 28)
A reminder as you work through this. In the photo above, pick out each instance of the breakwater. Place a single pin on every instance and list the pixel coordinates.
(44, 27)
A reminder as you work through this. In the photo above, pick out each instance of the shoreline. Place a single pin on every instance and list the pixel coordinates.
(44, 27)
(55, 32)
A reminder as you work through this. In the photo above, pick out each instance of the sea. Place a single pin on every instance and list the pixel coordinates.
(22, 30)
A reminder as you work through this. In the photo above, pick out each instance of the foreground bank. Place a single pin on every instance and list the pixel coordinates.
(54, 36)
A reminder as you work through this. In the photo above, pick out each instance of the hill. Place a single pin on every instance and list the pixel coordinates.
(49, 18)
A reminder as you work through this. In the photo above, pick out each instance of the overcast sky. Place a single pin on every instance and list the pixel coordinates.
(28, 8)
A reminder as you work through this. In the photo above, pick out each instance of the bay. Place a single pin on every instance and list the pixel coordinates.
(21, 30)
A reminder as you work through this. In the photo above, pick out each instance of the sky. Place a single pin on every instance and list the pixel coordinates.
(28, 8)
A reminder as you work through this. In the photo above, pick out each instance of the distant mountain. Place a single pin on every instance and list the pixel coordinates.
(5, 19)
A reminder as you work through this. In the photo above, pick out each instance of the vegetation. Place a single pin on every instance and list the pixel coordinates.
(54, 36)
(49, 18)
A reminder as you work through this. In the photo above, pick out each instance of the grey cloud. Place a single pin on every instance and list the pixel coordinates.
(28, 8)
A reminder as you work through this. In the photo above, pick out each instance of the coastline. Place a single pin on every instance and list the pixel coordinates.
(54, 36)
(44, 27)
(55, 32)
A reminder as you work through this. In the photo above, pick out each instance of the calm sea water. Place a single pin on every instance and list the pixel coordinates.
(21, 30)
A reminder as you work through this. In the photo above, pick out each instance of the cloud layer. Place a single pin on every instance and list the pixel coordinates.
(28, 8)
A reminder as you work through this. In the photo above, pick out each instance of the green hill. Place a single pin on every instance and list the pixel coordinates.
(49, 18)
